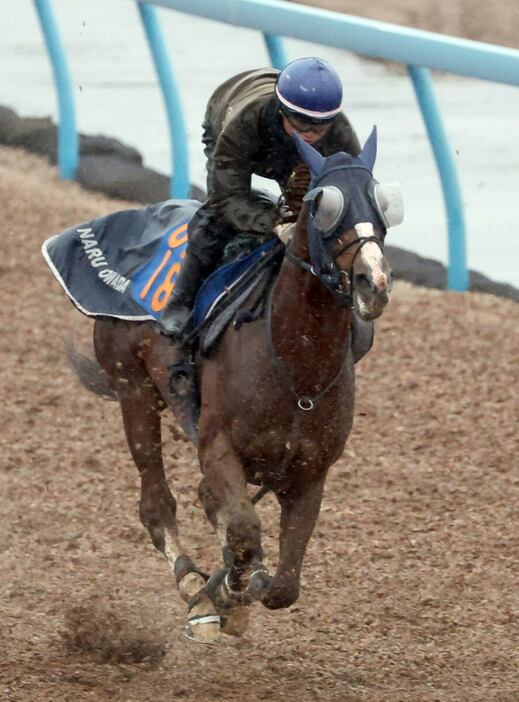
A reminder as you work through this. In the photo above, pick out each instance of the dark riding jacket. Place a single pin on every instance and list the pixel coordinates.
(244, 135)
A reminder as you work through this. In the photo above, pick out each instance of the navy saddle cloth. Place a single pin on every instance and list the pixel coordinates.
(125, 264)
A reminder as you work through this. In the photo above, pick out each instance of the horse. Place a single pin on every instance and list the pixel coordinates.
(277, 396)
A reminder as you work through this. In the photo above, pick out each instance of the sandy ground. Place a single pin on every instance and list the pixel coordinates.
(410, 582)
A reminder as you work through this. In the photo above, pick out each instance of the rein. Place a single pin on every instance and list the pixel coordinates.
(303, 401)
(345, 292)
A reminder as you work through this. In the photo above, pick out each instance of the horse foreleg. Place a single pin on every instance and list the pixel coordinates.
(230, 510)
(236, 520)
(234, 617)
(299, 512)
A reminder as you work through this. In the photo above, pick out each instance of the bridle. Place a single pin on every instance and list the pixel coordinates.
(323, 264)
(344, 291)
(382, 205)
(339, 281)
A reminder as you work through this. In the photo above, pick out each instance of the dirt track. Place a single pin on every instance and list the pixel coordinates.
(410, 588)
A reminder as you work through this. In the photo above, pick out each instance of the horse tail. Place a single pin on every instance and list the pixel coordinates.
(89, 372)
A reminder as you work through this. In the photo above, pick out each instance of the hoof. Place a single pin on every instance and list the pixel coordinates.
(204, 623)
(204, 629)
(235, 621)
(280, 596)
(259, 581)
(234, 614)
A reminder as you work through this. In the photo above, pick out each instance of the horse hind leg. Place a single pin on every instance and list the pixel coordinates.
(141, 406)
(158, 514)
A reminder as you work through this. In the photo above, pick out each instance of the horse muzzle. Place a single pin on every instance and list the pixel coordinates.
(370, 297)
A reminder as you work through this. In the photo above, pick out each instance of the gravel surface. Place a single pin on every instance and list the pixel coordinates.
(410, 582)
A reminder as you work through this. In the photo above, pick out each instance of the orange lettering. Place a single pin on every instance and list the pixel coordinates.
(161, 296)
(154, 275)
(176, 239)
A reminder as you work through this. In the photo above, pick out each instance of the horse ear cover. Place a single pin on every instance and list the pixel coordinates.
(310, 156)
(368, 155)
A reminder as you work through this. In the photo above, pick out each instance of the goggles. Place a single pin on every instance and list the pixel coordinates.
(304, 124)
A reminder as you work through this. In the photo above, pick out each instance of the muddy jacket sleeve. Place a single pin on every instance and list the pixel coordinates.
(230, 172)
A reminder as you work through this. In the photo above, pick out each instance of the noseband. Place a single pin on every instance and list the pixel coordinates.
(337, 280)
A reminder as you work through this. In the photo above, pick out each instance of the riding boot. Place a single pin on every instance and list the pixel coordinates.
(175, 317)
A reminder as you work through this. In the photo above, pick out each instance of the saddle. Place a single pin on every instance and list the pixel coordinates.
(223, 293)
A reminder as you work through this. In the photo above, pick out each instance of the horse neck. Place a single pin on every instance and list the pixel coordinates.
(310, 330)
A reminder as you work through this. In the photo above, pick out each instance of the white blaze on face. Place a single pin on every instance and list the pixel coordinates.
(371, 256)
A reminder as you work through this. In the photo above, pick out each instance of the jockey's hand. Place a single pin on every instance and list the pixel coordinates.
(296, 186)
(285, 213)
(285, 231)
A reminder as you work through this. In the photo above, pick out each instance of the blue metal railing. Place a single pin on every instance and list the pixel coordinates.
(67, 133)
(177, 128)
(418, 50)
(414, 48)
(276, 49)
(457, 272)
(382, 40)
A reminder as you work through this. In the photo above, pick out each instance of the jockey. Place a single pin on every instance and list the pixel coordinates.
(247, 130)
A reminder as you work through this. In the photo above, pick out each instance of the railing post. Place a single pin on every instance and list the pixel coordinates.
(177, 129)
(68, 150)
(458, 278)
(276, 49)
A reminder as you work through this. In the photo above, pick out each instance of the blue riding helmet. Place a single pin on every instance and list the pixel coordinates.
(309, 88)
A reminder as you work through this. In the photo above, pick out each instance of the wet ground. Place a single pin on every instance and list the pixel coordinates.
(410, 582)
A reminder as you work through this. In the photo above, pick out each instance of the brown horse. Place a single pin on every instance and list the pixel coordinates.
(277, 397)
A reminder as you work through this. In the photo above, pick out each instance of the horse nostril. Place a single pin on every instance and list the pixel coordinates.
(362, 282)
(377, 284)
(380, 283)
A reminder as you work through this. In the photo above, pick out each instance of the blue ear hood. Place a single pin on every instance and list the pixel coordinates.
(315, 161)
(368, 154)
(310, 156)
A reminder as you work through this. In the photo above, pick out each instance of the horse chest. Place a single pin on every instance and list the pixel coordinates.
(309, 441)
